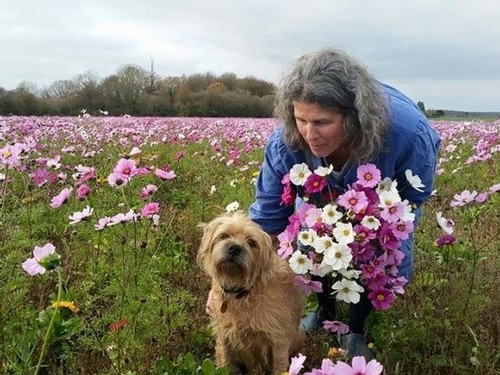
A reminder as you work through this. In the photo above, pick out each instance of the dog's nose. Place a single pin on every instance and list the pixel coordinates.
(234, 250)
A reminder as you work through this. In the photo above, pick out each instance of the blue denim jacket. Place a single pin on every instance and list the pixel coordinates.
(411, 144)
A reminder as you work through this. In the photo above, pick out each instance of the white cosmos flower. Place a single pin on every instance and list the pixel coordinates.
(447, 225)
(408, 214)
(299, 174)
(338, 256)
(347, 290)
(344, 233)
(386, 185)
(307, 237)
(232, 207)
(135, 151)
(414, 180)
(324, 171)
(322, 243)
(330, 214)
(300, 263)
(388, 198)
(82, 215)
(370, 222)
(350, 274)
(322, 269)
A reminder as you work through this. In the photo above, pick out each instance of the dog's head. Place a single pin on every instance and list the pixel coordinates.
(235, 251)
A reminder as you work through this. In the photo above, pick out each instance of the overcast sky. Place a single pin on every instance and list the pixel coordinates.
(445, 53)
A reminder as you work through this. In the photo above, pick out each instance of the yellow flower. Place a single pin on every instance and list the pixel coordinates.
(67, 304)
(335, 353)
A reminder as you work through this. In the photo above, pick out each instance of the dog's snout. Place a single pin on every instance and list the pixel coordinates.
(234, 250)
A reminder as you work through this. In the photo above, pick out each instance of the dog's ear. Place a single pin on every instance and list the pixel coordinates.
(265, 253)
(206, 241)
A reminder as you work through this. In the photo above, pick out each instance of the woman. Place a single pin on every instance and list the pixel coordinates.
(334, 112)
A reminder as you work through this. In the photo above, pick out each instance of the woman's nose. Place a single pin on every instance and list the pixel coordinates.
(311, 132)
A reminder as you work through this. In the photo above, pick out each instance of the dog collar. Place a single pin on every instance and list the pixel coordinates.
(238, 292)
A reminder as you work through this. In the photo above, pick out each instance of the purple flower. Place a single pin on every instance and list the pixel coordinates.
(336, 327)
(445, 239)
(45, 258)
(82, 191)
(381, 299)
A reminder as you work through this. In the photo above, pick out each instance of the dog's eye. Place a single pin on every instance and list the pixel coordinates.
(251, 242)
(223, 236)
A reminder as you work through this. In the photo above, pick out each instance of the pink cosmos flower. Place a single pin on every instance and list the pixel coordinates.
(82, 191)
(463, 198)
(116, 180)
(61, 198)
(353, 200)
(125, 168)
(326, 368)
(481, 197)
(150, 209)
(402, 229)
(314, 183)
(372, 270)
(179, 155)
(297, 364)
(314, 217)
(336, 327)
(39, 177)
(393, 212)
(102, 223)
(381, 299)
(37, 264)
(495, 188)
(147, 191)
(368, 175)
(359, 367)
(288, 195)
(165, 174)
(387, 239)
(286, 239)
(308, 286)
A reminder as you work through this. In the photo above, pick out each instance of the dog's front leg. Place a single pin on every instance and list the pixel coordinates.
(281, 354)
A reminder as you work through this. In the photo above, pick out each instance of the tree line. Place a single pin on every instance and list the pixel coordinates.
(133, 90)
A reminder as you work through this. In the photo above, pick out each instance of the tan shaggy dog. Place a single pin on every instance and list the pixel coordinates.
(256, 304)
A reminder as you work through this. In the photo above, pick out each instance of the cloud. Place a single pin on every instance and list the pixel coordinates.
(434, 45)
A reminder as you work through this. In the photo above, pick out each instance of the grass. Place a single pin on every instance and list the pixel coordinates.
(140, 294)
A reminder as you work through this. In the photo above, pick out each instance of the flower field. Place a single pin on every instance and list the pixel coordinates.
(99, 230)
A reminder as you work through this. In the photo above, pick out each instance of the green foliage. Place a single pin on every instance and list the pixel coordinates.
(135, 91)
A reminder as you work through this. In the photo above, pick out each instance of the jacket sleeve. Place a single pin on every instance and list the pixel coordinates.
(267, 210)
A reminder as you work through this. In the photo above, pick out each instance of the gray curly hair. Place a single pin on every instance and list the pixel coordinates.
(336, 81)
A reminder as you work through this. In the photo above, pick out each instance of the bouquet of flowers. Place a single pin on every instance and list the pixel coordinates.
(353, 236)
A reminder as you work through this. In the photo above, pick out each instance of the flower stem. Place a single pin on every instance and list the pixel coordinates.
(52, 320)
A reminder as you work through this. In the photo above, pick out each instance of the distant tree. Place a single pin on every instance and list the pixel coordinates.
(88, 92)
(439, 113)
(421, 105)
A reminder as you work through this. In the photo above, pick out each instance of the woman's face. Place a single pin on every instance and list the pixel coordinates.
(321, 128)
